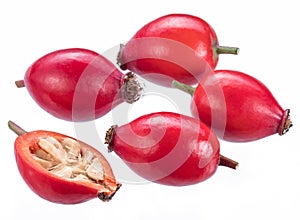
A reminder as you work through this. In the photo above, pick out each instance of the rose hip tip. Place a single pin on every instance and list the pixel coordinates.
(109, 136)
(119, 63)
(286, 123)
(132, 89)
(107, 197)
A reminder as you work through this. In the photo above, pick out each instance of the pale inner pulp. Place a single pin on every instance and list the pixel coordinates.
(65, 159)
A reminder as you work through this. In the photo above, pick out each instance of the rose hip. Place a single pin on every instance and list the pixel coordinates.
(78, 84)
(168, 48)
(250, 111)
(61, 169)
(168, 148)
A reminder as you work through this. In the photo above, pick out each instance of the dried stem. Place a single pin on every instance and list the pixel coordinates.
(20, 83)
(16, 128)
(227, 162)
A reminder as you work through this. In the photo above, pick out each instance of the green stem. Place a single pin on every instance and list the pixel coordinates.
(227, 50)
(183, 87)
(16, 128)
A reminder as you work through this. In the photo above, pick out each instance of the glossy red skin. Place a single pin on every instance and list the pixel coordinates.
(74, 84)
(51, 187)
(251, 110)
(168, 148)
(169, 46)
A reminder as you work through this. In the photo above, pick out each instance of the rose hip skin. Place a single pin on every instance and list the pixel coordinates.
(251, 111)
(52, 187)
(168, 47)
(168, 148)
(77, 84)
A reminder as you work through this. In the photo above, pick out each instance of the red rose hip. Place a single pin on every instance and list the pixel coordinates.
(174, 46)
(78, 84)
(250, 111)
(168, 148)
(61, 169)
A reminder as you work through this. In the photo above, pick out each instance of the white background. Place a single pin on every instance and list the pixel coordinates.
(265, 186)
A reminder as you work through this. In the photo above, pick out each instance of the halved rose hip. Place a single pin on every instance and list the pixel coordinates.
(62, 169)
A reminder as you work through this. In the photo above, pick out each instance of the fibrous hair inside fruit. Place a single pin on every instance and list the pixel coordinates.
(65, 159)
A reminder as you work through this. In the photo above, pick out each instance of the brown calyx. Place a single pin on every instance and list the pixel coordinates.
(119, 63)
(286, 123)
(106, 197)
(131, 89)
(109, 137)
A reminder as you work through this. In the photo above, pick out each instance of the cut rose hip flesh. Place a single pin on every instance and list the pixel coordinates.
(62, 169)
(66, 160)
